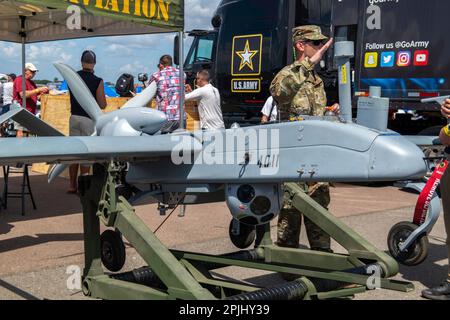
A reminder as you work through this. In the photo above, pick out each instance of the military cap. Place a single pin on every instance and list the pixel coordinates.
(305, 33)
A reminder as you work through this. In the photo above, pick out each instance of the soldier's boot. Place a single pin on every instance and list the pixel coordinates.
(441, 292)
(288, 233)
(318, 239)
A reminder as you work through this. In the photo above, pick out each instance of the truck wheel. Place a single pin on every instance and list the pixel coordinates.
(416, 253)
(112, 250)
(246, 236)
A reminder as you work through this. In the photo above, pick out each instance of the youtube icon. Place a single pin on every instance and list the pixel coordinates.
(421, 58)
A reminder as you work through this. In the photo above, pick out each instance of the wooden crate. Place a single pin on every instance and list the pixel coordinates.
(55, 110)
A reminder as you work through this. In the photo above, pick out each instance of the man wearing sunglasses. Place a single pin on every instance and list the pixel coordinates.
(299, 91)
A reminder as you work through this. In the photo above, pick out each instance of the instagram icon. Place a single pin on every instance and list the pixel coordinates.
(404, 58)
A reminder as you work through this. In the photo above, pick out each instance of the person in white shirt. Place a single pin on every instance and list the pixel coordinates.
(209, 102)
(8, 93)
(269, 111)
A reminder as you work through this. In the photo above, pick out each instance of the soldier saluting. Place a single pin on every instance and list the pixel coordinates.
(299, 91)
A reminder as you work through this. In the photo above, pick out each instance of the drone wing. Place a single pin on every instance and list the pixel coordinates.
(30, 121)
(93, 149)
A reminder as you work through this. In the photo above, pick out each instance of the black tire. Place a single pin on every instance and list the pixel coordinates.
(246, 236)
(112, 250)
(416, 253)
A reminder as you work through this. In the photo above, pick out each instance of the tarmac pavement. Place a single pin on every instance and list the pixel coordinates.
(37, 249)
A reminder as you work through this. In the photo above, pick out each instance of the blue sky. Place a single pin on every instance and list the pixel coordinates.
(115, 55)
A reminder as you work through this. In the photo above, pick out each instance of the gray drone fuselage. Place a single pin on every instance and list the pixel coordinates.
(311, 150)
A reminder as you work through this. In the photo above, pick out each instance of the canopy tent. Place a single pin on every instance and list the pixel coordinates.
(30, 21)
(38, 21)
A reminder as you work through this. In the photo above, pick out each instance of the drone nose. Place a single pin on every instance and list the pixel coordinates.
(394, 154)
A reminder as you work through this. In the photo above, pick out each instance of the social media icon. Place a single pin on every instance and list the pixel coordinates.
(387, 59)
(404, 58)
(371, 60)
(421, 58)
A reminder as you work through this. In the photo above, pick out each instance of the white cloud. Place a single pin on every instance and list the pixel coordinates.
(65, 58)
(10, 51)
(147, 42)
(199, 13)
(132, 68)
(118, 49)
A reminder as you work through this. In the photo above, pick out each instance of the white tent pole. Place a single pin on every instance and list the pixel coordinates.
(181, 68)
(23, 35)
(24, 89)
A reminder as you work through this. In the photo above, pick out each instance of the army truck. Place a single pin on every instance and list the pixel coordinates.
(400, 46)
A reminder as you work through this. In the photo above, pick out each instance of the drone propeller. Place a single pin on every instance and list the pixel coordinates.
(55, 171)
(80, 90)
(133, 119)
(142, 99)
(139, 117)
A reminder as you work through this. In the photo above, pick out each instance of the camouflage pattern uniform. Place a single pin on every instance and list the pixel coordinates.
(298, 90)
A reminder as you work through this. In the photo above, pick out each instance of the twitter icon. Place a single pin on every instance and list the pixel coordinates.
(387, 59)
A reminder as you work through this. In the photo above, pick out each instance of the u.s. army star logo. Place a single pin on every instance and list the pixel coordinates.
(247, 55)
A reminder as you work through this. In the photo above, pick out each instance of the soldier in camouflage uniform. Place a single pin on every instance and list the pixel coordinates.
(299, 91)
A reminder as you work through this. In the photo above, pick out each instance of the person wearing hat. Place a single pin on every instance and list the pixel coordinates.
(32, 92)
(299, 91)
(80, 123)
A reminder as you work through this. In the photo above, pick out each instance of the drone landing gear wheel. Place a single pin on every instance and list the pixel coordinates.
(112, 250)
(418, 250)
(246, 236)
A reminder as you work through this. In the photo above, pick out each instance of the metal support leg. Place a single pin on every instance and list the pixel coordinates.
(5, 189)
(360, 250)
(172, 273)
(90, 188)
(263, 237)
(29, 187)
(24, 191)
(99, 200)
